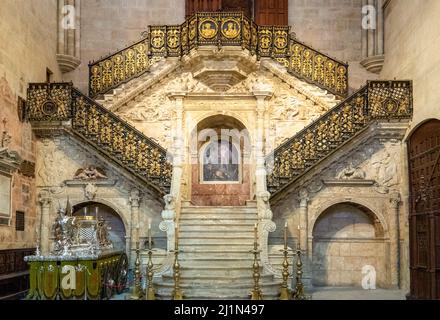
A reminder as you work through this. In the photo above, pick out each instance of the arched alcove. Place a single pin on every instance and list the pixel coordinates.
(220, 171)
(347, 237)
(117, 232)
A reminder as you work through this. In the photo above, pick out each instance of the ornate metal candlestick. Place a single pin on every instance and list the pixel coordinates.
(177, 292)
(150, 293)
(299, 293)
(137, 290)
(256, 293)
(285, 291)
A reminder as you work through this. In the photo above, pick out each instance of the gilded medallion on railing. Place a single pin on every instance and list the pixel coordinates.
(220, 29)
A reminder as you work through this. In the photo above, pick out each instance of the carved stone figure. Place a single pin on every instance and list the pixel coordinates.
(90, 173)
(352, 173)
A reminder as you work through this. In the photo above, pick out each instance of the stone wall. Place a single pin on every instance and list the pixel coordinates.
(414, 53)
(28, 36)
(58, 162)
(334, 27)
(107, 26)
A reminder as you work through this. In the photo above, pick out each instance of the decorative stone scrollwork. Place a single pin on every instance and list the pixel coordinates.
(168, 226)
(90, 191)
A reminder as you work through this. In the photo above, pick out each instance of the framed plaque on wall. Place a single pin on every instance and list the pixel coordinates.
(5, 199)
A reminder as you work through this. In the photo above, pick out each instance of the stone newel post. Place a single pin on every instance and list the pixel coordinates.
(45, 224)
(395, 240)
(262, 93)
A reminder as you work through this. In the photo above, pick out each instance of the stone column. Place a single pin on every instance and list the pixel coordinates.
(261, 92)
(69, 35)
(45, 224)
(134, 201)
(303, 198)
(373, 38)
(394, 231)
(178, 145)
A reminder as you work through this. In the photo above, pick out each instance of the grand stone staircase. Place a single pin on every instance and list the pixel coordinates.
(216, 262)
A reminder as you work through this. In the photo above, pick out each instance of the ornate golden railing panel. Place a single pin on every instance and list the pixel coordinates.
(219, 29)
(387, 100)
(102, 129)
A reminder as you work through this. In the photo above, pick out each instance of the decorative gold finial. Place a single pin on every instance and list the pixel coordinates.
(177, 292)
(256, 293)
(285, 293)
(150, 293)
(298, 293)
(137, 290)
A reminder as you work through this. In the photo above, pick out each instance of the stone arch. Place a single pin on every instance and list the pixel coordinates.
(119, 226)
(419, 125)
(217, 191)
(347, 237)
(357, 203)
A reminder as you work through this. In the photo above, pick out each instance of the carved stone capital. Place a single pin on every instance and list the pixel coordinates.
(44, 198)
(303, 197)
(395, 200)
(134, 198)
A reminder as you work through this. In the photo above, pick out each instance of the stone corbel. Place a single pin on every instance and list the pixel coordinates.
(168, 225)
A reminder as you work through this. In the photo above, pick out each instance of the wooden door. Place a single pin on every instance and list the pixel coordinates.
(194, 6)
(272, 12)
(424, 170)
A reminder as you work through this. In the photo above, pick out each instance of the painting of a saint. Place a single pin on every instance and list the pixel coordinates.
(231, 29)
(208, 30)
(221, 162)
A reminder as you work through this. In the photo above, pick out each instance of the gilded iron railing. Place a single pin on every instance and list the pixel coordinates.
(219, 29)
(378, 100)
(109, 134)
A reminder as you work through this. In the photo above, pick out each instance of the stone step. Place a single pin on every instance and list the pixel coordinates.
(229, 292)
(217, 262)
(217, 279)
(242, 217)
(196, 253)
(224, 240)
(220, 271)
(192, 246)
(216, 234)
(215, 228)
(217, 223)
(201, 209)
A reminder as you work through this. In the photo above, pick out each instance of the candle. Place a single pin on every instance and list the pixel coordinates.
(85, 211)
(96, 213)
(285, 236)
(299, 238)
(149, 235)
(176, 235)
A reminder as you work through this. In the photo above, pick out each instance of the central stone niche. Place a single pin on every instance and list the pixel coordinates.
(221, 69)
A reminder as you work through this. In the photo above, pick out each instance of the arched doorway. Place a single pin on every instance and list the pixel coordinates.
(346, 239)
(424, 172)
(220, 166)
(117, 229)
